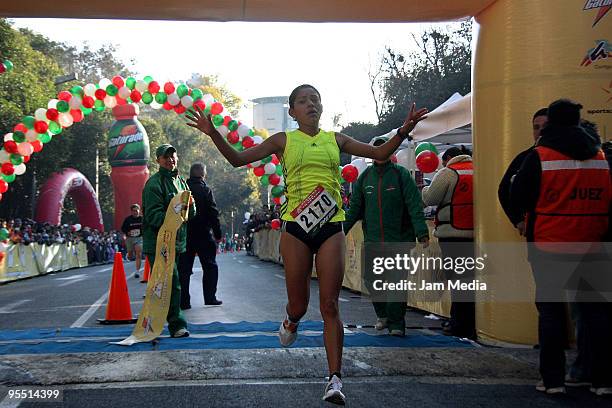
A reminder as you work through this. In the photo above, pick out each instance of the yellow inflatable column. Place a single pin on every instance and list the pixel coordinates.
(528, 54)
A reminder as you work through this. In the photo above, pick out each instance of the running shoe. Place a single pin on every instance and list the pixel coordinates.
(333, 391)
(287, 332)
(381, 323)
(601, 391)
(552, 390)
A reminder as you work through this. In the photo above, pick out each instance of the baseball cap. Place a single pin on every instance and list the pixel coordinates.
(564, 112)
(163, 149)
(377, 141)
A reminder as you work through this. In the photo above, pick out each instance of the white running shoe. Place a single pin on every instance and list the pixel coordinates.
(553, 390)
(287, 332)
(333, 391)
(381, 323)
(601, 391)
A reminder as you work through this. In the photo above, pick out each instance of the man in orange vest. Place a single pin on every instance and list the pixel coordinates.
(564, 189)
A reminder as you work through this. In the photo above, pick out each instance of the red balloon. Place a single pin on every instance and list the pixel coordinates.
(350, 173)
(2, 69)
(200, 104)
(10, 146)
(226, 120)
(247, 142)
(100, 94)
(3, 186)
(118, 81)
(37, 145)
(274, 179)
(20, 127)
(41, 126)
(154, 87)
(8, 169)
(259, 171)
(216, 108)
(168, 87)
(393, 158)
(180, 109)
(275, 223)
(136, 96)
(77, 114)
(427, 161)
(64, 96)
(275, 159)
(120, 101)
(88, 102)
(277, 200)
(167, 106)
(249, 166)
(233, 137)
(26, 159)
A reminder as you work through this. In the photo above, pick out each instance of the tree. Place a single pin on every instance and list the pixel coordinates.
(428, 77)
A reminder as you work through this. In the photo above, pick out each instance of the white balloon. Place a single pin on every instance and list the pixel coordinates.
(243, 130)
(403, 158)
(104, 82)
(31, 135)
(187, 101)
(20, 169)
(270, 168)
(173, 99)
(124, 92)
(247, 215)
(41, 114)
(64, 119)
(3, 246)
(208, 99)
(155, 105)
(52, 104)
(223, 130)
(77, 227)
(282, 181)
(4, 156)
(283, 199)
(89, 89)
(8, 136)
(360, 164)
(110, 101)
(256, 163)
(25, 149)
(257, 139)
(75, 102)
(141, 86)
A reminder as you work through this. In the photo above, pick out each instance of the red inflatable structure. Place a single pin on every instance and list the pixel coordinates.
(61, 184)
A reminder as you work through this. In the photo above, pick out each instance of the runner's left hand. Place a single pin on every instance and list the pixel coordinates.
(199, 120)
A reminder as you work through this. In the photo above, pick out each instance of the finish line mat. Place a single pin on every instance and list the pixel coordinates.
(241, 335)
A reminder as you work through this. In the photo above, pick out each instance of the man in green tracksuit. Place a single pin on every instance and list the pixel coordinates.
(156, 195)
(388, 201)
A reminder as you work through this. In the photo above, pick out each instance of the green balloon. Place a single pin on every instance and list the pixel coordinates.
(147, 79)
(147, 97)
(44, 137)
(9, 65)
(77, 90)
(266, 160)
(4, 234)
(251, 132)
(182, 90)
(277, 191)
(9, 178)
(232, 125)
(217, 120)
(99, 105)
(196, 94)
(279, 169)
(238, 146)
(265, 180)
(130, 82)
(28, 121)
(161, 97)
(111, 90)
(207, 110)
(425, 146)
(62, 106)
(55, 128)
(86, 111)
(18, 136)
(16, 159)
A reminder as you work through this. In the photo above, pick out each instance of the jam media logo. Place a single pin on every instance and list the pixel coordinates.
(602, 6)
(601, 51)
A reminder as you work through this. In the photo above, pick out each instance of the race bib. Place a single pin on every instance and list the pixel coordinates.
(318, 208)
(135, 233)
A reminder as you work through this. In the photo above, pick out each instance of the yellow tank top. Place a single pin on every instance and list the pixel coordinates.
(309, 161)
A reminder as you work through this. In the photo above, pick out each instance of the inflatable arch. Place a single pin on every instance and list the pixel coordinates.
(69, 182)
(526, 54)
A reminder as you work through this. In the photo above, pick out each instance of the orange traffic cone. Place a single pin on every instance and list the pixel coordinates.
(118, 310)
(147, 271)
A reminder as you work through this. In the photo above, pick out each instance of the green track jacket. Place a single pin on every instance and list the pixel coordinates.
(159, 190)
(387, 216)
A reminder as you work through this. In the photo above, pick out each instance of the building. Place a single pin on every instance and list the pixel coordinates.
(272, 113)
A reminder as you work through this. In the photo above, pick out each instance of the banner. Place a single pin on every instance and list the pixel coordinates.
(154, 311)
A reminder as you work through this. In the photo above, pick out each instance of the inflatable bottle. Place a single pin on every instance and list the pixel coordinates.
(128, 155)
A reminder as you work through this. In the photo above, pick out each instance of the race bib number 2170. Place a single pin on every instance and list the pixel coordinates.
(318, 208)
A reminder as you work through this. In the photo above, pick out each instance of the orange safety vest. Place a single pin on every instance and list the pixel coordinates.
(574, 202)
(462, 200)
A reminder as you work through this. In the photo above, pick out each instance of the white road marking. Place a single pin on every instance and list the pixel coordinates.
(279, 276)
(10, 308)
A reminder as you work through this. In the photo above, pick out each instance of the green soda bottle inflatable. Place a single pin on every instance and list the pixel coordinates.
(128, 155)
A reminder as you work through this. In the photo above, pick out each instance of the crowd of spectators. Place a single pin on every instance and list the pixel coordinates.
(101, 246)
